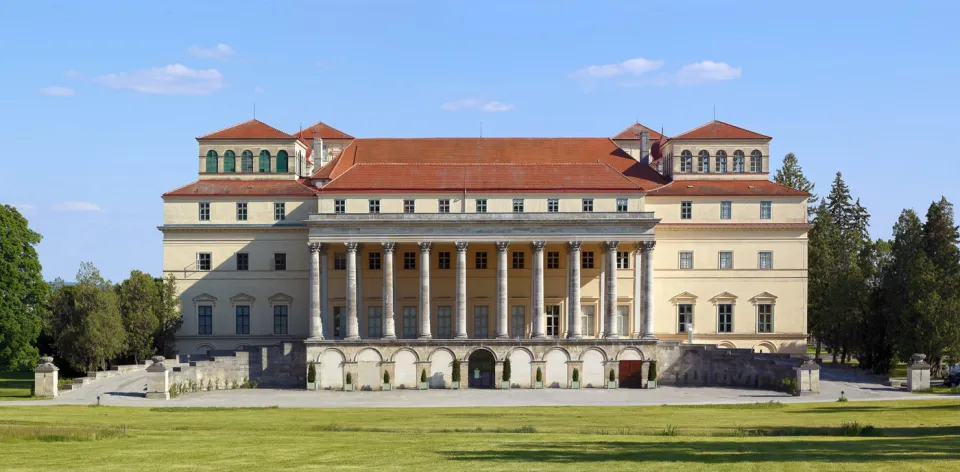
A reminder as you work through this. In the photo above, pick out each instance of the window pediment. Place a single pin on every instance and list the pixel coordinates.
(280, 299)
(684, 297)
(723, 297)
(764, 297)
(242, 299)
(204, 298)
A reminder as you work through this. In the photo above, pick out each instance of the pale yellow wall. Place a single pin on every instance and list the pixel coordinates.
(223, 210)
(496, 203)
(714, 145)
(743, 209)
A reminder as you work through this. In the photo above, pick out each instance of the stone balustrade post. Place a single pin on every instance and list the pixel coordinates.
(918, 373)
(158, 380)
(46, 378)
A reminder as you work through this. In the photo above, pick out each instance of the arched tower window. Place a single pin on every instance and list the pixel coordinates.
(282, 163)
(703, 162)
(738, 161)
(756, 161)
(229, 162)
(264, 161)
(686, 161)
(721, 161)
(211, 164)
(246, 161)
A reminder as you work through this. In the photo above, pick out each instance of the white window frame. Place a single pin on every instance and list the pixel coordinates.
(481, 205)
(686, 210)
(766, 210)
(242, 211)
(720, 322)
(623, 259)
(518, 205)
(726, 210)
(622, 205)
(373, 206)
(681, 258)
(760, 260)
(586, 205)
(203, 209)
(682, 323)
(720, 260)
(279, 211)
(339, 206)
(772, 314)
(409, 206)
(553, 205)
(209, 257)
(443, 205)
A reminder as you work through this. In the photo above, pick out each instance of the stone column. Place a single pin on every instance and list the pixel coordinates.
(461, 332)
(647, 253)
(502, 300)
(389, 325)
(158, 380)
(353, 327)
(613, 330)
(575, 324)
(326, 321)
(46, 378)
(424, 292)
(637, 293)
(918, 373)
(539, 315)
(316, 321)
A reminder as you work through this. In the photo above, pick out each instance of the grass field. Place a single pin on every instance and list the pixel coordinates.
(15, 385)
(909, 435)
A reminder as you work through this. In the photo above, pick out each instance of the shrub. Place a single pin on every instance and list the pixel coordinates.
(506, 370)
(576, 375)
(652, 374)
(789, 385)
(386, 377)
(842, 399)
(423, 375)
(455, 374)
(613, 377)
(539, 375)
(312, 373)
(855, 428)
(349, 379)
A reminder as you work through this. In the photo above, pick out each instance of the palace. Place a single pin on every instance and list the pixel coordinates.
(377, 255)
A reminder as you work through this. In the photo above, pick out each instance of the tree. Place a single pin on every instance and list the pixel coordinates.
(942, 304)
(169, 318)
(791, 175)
(23, 292)
(138, 296)
(822, 270)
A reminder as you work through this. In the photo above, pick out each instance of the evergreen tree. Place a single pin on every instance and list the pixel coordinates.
(791, 175)
(138, 296)
(824, 238)
(940, 306)
(23, 292)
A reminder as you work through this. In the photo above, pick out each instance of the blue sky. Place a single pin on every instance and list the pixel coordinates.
(103, 100)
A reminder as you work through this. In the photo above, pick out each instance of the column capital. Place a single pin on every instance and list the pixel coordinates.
(502, 245)
(352, 247)
(461, 246)
(315, 247)
(646, 246)
(539, 245)
(425, 246)
(575, 245)
(611, 245)
(388, 247)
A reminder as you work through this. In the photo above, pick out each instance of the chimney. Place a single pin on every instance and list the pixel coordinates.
(316, 156)
(645, 147)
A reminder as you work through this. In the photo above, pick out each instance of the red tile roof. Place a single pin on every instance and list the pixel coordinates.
(248, 188)
(726, 188)
(633, 132)
(321, 129)
(719, 130)
(253, 129)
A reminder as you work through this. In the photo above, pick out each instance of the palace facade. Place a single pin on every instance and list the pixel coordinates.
(403, 255)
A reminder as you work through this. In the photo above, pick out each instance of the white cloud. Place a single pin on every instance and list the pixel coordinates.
(707, 71)
(258, 90)
(496, 106)
(174, 79)
(77, 207)
(474, 103)
(24, 208)
(57, 91)
(220, 51)
(635, 66)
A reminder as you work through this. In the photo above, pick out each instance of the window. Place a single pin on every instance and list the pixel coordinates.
(481, 260)
(373, 261)
(518, 205)
(443, 205)
(444, 322)
(339, 261)
(686, 210)
(246, 161)
(553, 320)
(339, 321)
(586, 260)
(764, 318)
(481, 205)
(588, 317)
(409, 206)
(726, 210)
(211, 164)
(587, 205)
(409, 260)
(241, 212)
(738, 161)
(280, 261)
(726, 260)
(553, 260)
(339, 206)
(409, 322)
(518, 322)
(623, 260)
(623, 314)
(686, 260)
(280, 319)
(684, 316)
(621, 205)
(553, 205)
(518, 260)
(204, 211)
(279, 211)
(243, 319)
(481, 322)
(766, 260)
(264, 161)
(374, 322)
(686, 161)
(204, 319)
(721, 160)
(443, 260)
(766, 210)
(282, 161)
(724, 318)
(204, 261)
(703, 162)
(756, 161)
(243, 261)
(374, 206)
(229, 162)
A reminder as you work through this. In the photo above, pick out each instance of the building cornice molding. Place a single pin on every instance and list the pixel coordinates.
(230, 228)
(732, 226)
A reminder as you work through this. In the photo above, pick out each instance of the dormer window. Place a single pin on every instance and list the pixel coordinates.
(211, 166)
(721, 162)
(686, 161)
(756, 161)
(282, 162)
(246, 161)
(738, 161)
(703, 162)
(264, 161)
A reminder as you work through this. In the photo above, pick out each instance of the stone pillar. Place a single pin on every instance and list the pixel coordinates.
(647, 256)
(808, 376)
(502, 300)
(637, 294)
(542, 365)
(613, 330)
(158, 380)
(326, 321)
(498, 375)
(389, 324)
(539, 315)
(424, 366)
(918, 373)
(575, 325)
(388, 367)
(316, 320)
(461, 332)
(46, 378)
(464, 373)
(574, 365)
(615, 365)
(424, 292)
(353, 326)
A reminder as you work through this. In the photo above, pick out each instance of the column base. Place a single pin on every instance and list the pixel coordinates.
(636, 335)
(314, 338)
(539, 336)
(425, 336)
(574, 336)
(389, 337)
(611, 336)
(503, 336)
(649, 337)
(461, 336)
(351, 338)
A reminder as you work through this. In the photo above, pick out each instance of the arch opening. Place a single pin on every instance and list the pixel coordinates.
(480, 367)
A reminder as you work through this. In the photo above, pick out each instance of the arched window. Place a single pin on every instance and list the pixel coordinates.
(211, 166)
(229, 162)
(264, 161)
(756, 161)
(282, 161)
(721, 161)
(246, 161)
(738, 161)
(686, 161)
(703, 162)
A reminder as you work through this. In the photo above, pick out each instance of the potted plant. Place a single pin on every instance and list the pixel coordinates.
(576, 379)
(423, 380)
(505, 379)
(652, 375)
(348, 387)
(455, 375)
(539, 383)
(311, 377)
(612, 379)
(386, 382)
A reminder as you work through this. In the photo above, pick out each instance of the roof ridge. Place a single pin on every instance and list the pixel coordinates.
(253, 120)
(680, 136)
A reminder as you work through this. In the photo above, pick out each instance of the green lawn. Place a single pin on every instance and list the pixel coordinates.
(909, 435)
(15, 385)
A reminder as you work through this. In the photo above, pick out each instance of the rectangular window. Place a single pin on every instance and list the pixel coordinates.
(374, 322)
(553, 260)
(279, 211)
(444, 322)
(738, 163)
(443, 205)
(724, 318)
(518, 322)
(518, 205)
(409, 322)
(481, 260)
(686, 260)
(373, 206)
(704, 164)
(686, 210)
(243, 261)
(481, 205)
(726, 260)
(409, 260)
(766, 210)
(756, 162)
(241, 212)
(684, 316)
(517, 260)
(586, 260)
(686, 163)
(243, 319)
(279, 261)
(481, 322)
(621, 205)
(764, 318)
(204, 211)
(373, 261)
(553, 205)
(204, 319)
(587, 205)
(588, 320)
(339, 261)
(726, 210)
(339, 206)
(623, 314)
(204, 261)
(409, 206)
(280, 319)
(766, 260)
(339, 321)
(623, 260)
(443, 260)
(553, 320)
(721, 162)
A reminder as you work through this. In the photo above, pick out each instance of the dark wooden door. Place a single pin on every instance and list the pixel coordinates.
(631, 374)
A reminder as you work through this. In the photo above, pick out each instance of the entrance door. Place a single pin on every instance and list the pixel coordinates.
(480, 369)
(631, 374)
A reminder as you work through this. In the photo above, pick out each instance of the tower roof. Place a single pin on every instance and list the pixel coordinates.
(253, 129)
(633, 132)
(719, 130)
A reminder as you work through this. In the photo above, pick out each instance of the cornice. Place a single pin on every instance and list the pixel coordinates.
(732, 226)
(224, 228)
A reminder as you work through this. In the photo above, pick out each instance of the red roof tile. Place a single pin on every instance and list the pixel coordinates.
(321, 129)
(726, 188)
(633, 132)
(253, 129)
(719, 130)
(249, 188)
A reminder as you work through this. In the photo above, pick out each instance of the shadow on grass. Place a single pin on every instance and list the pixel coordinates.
(947, 406)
